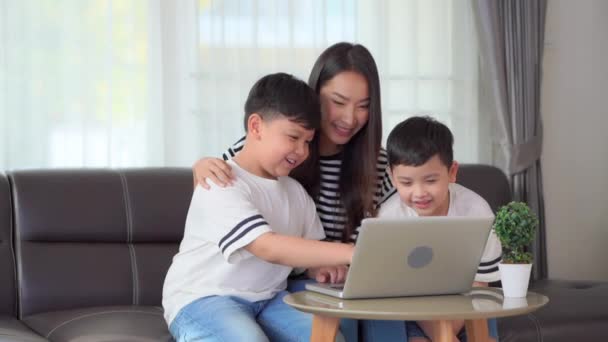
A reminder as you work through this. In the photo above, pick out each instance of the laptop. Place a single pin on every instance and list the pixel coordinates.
(414, 256)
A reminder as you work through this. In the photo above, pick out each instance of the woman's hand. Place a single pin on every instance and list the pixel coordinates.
(215, 169)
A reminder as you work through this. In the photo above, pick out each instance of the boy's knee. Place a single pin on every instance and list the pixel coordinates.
(237, 335)
(199, 331)
(216, 318)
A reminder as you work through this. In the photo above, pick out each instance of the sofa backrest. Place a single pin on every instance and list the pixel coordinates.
(106, 237)
(7, 258)
(96, 237)
(488, 181)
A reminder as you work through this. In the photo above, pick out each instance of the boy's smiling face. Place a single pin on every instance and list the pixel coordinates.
(424, 188)
(282, 145)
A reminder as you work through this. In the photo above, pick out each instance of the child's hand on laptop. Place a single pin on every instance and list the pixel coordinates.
(328, 274)
(479, 284)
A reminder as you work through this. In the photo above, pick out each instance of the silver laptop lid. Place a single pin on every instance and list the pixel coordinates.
(416, 256)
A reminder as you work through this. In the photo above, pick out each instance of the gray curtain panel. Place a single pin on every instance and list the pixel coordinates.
(511, 35)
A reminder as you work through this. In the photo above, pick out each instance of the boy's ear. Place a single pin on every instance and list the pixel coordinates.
(453, 171)
(254, 125)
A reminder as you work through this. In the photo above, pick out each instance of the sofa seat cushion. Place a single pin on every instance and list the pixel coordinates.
(107, 323)
(577, 310)
(13, 330)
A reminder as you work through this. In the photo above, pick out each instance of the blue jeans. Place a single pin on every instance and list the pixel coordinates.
(379, 331)
(225, 318)
(393, 330)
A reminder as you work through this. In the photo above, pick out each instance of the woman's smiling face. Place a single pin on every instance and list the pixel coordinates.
(345, 109)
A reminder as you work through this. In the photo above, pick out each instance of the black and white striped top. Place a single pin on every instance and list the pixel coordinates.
(330, 210)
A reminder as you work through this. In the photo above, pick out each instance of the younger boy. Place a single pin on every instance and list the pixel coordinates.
(241, 242)
(423, 171)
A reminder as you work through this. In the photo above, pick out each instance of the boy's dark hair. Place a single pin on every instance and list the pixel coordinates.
(416, 140)
(283, 95)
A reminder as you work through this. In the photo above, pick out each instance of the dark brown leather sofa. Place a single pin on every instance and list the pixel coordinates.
(83, 256)
(11, 329)
(92, 248)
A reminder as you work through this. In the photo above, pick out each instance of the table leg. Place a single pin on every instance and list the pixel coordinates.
(442, 330)
(477, 330)
(324, 328)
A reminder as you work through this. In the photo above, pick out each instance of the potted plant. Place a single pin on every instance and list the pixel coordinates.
(515, 225)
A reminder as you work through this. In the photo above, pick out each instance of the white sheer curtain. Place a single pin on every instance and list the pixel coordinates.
(79, 84)
(425, 49)
(151, 82)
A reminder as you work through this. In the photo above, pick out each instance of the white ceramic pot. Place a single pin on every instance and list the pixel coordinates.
(515, 278)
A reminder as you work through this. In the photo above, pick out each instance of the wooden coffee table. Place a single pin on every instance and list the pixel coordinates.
(474, 308)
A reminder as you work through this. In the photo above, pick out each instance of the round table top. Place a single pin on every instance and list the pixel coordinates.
(477, 304)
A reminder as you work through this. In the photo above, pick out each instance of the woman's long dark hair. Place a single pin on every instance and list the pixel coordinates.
(358, 174)
(308, 174)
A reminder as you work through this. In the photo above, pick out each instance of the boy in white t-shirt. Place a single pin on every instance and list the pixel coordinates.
(241, 242)
(423, 171)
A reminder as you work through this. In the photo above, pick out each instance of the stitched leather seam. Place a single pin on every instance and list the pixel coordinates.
(126, 198)
(539, 333)
(135, 274)
(134, 271)
(96, 314)
(14, 246)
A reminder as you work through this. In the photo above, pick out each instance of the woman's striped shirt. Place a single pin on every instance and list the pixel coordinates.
(330, 210)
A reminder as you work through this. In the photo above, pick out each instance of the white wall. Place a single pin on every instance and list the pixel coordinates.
(575, 155)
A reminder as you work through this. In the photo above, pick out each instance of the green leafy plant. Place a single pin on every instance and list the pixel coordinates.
(515, 225)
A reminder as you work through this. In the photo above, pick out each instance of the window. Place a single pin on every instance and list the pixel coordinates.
(122, 83)
(78, 84)
(425, 51)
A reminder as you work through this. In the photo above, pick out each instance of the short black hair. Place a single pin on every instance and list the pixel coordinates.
(416, 140)
(284, 95)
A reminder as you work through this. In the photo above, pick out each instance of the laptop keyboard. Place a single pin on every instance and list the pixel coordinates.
(337, 286)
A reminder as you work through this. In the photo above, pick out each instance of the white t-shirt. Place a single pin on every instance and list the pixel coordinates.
(463, 202)
(220, 222)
